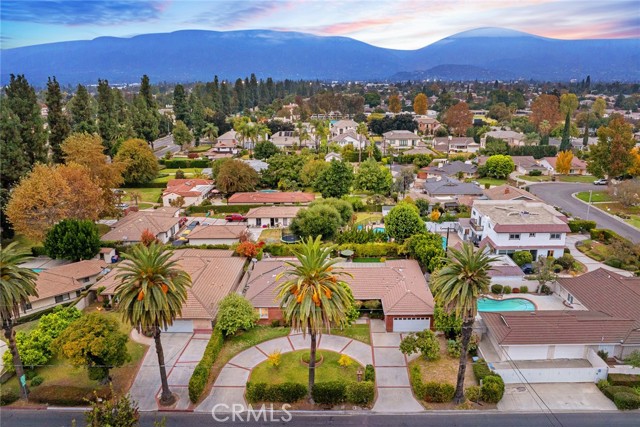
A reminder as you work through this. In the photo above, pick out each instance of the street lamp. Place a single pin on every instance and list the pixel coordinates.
(589, 204)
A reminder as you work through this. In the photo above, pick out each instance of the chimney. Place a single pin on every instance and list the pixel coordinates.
(506, 190)
(450, 138)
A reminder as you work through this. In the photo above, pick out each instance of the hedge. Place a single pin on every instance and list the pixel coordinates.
(147, 185)
(361, 393)
(329, 393)
(604, 235)
(438, 392)
(415, 378)
(472, 393)
(285, 392)
(481, 370)
(373, 250)
(628, 380)
(201, 373)
(67, 395)
(185, 163)
(577, 225)
(369, 373)
(492, 389)
(613, 390)
(627, 401)
(497, 289)
(7, 397)
(221, 208)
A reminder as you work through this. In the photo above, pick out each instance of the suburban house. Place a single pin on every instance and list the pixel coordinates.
(343, 126)
(507, 226)
(524, 164)
(449, 190)
(64, 283)
(455, 145)
(508, 192)
(162, 223)
(193, 191)
(455, 169)
(578, 167)
(216, 234)
(420, 148)
(333, 156)
(271, 198)
(108, 255)
(214, 275)
(407, 303)
(602, 314)
(427, 125)
(228, 142)
(400, 139)
(349, 137)
(271, 216)
(509, 136)
(286, 139)
(257, 165)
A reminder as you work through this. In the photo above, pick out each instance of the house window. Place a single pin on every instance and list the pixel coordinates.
(555, 236)
(514, 236)
(532, 234)
(78, 293)
(263, 312)
(259, 222)
(63, 297)
(285, 221)
(570, 299)
(403, 143)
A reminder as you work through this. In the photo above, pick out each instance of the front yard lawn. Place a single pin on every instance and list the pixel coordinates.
(491, 181)
(585, 179)
(149, 195)
(292, 369)
(596, 196)
(357, 331)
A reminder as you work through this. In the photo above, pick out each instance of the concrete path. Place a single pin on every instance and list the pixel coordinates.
(392, 374)
(3, 347)
(591, 264)
(554, 397)
(182, 352)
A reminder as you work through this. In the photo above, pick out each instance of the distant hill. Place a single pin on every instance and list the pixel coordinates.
(184, 56)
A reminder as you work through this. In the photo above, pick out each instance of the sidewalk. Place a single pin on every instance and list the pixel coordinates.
(591, 264)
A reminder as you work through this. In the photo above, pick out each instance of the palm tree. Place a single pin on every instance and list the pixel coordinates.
(211, 131)
(363, 132)
(312, 296)
(17, 284)
(302, 133)
(150, 294)
(457, 286)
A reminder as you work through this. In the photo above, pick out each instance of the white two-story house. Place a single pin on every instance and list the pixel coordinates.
(508, 226)
(401, 139)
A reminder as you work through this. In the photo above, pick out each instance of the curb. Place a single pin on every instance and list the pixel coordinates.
(593, 206)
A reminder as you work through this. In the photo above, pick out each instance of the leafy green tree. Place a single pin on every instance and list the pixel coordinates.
(522, 257)
(146, 120)
(313, 296)
(17, 286)
(373, 177)
(115, 412)
(403, 221)
(336, 180)
(344, 208)
(108, 123)
(151, 291)
(180, 105)
(423, 342)
(265, 149)
(236, 313)
(423, 207)
(319, 220)
(565, 144)
(457, 286)
(73, 239)
(499, 166)
(446, 322)
(311, 170)
(198, 122)
(611, 156)
(211, 131)
(181, 134)
(217, 165)
(82, 113)
(59, 127)
(236, 176)
(140, 163)
(94, 341)
(427, 249)
(404, 180)
(283, 167)
(495, 146)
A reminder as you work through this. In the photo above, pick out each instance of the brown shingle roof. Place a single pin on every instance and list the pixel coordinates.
(190, 187)
(132, 225)
(66, 278)
(217, 232)
(260, 197)
(273, 212)
(508, 192)
(399, 284)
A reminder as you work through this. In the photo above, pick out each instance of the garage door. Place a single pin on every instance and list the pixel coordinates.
(181, 326)
(411, 324)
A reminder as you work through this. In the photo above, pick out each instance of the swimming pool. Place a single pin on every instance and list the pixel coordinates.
(510, 304)
(37, 270)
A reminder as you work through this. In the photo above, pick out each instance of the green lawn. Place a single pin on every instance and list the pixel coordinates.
(149, 195)
(541, 178)
(271, 234)
(587, 179)
(634, 221)
(359, 332)
(596, 196)
(292, 369)
(364, 218)
(201, 148)
(490, 181)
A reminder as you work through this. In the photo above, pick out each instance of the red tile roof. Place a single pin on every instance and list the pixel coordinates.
(260, 197)
(187, 187)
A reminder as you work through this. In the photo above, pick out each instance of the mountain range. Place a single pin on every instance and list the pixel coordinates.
(196, 55)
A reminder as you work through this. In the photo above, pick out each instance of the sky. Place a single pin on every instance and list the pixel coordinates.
(397, 24)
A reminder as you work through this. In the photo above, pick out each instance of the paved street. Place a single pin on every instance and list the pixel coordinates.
(29, 418)
(166, 141)
(559, 194)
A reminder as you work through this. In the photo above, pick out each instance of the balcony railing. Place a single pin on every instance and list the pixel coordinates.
(475, 225)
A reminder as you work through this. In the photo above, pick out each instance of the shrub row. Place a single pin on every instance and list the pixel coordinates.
(627, 401)
(185, 163)
(430, 391)
(336, 392)
(611, 391)
(492, 389)
(577, 225)
(628, 380)
(604, 235)
(373, 250)
(7, 397)
(147, 185)
(200, 376)
(68, 395)
(481, 370)
(286, 392)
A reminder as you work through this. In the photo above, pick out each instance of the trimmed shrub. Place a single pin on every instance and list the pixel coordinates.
(577, 225)
(285, 392)
(516, 290)
(438, 392)
(557, 268)
(415, 378)
(36, 381)
(613, 262)
(496, 289)
(453, 348)
(200, 376)
(566, 261)
(628, 380)
(329, 393)
(603, 355)
(472, 393)
(481, 370)
(492, 389)
(627, 401)
(524, 289)
(535, 172)
(602, 384)
(67, 395)
(360, 393)
(522, 257)
(306, 357)
(611, 391)
(369, 373)
(605, 235)
(7, 397)
(507, 290)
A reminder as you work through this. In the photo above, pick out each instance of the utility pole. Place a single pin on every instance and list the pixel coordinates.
(589, 204)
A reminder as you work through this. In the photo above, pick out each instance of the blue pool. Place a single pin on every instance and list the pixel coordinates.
(37, 270)
(511, 304)
(378, 230)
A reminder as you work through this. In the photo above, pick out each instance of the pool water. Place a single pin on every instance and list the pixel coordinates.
(511, 304)
(378, 230)
(37, 270)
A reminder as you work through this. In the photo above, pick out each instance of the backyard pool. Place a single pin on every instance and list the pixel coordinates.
(510, 304)
(37, 270)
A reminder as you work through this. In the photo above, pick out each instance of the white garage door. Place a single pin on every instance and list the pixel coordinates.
(410, 324)
(181, 326)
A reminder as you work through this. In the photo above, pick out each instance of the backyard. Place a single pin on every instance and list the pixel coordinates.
(270, 235)
(364, 218)
(491, 181)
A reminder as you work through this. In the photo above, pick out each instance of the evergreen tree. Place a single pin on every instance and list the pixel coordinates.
(145, 122)
(197, 117)
(107, 115)
(59, 127)
(565, 145)
(81, 111)
(180, 105)
(145, 92)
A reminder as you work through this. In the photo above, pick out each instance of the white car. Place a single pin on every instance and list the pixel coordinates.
(601, 181)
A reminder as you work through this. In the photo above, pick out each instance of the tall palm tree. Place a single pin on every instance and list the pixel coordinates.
(302, 133)
(150, 294)
(312, 296)
(363, 132)
(211, 131)
(457, 286)
(17, 284)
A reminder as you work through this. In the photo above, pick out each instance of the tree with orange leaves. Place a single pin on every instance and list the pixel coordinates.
(458, 118)
(147, 237)
(420, 104)
(563, 162)
(394, 104)
(545, 107)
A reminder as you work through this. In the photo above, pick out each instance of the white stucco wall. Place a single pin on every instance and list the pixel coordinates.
(527, 352)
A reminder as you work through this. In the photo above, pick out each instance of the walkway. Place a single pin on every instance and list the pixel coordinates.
(590, 263)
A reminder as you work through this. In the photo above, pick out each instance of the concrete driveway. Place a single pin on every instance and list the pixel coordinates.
(555, 397)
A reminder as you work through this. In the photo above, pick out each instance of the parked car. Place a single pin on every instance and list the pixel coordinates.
(527, 268)
(601, 181)
(235, 218)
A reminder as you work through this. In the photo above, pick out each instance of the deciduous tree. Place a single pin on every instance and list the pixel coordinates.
(373, 177)
(611, 156)
(598, 107)
(236, 176)
(545, 108)
(236, 313)
(336, 180)
(403, 221)
(394, 104)
(140, 164)
(420, 104)
(319, 220)
(499, 166)
(563, 162)
(426, 248)
(265, 149)
(424, 342)
(311, 170)
(458, 119)
(181, 135)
